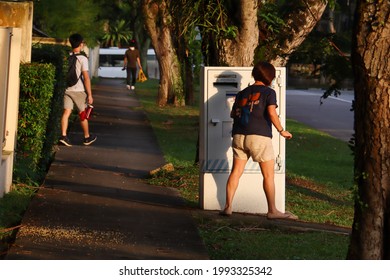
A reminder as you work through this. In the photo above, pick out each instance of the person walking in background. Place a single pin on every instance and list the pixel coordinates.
(78, 92)
(254, 113)
(130, 62)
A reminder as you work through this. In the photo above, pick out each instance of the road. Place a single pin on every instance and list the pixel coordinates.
(333, 116)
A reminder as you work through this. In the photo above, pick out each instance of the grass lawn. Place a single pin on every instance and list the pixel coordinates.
(319, 181)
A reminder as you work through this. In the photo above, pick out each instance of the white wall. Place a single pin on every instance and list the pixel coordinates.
(10, 53)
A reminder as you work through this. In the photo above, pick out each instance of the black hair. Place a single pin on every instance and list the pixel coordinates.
(264, 72)
(75, 40)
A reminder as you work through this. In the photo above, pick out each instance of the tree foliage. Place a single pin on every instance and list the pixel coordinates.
(117, 34)
(60, 19)
(118, 17)
(279, 40)
(229, 31)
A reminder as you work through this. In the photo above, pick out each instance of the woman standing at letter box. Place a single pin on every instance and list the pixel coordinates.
(254, 113)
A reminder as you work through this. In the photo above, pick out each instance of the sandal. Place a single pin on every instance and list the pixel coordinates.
(286, 215)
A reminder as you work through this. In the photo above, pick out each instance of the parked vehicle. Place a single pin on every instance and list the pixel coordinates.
(111, 62)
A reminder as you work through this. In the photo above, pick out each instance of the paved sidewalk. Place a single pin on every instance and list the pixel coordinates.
(94, 205)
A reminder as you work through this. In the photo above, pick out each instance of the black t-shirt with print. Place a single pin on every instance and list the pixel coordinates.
(259, 121)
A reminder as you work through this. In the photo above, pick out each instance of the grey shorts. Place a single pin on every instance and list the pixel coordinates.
(256, 146)
(78, 98)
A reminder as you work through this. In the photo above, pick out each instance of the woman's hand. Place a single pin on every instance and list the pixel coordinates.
(286, 134)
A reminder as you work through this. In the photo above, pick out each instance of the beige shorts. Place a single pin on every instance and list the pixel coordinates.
(78, 98)
(258, 147)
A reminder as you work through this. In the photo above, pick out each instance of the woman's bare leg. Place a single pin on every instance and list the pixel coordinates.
(232, 183)
(267, 169)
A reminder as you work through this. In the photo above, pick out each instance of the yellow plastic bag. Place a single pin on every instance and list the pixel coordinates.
(141, 76)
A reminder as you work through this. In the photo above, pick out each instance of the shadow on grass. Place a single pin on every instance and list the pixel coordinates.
(307, 188)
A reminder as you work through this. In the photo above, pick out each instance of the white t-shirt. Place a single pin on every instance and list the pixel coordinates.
(81, 65)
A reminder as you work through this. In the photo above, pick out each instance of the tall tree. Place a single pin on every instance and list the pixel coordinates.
(185, 14)
(371, 51)
(159, 23)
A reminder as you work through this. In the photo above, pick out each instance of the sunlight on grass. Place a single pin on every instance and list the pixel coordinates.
(318, 157)
(320, 176)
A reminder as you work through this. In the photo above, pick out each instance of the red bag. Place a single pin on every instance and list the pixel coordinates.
(86, 114)
(88, 111)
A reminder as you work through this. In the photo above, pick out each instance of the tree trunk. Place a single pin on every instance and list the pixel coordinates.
(240, 51)
(157, 21)
(371, 51)
(331, 28)
(299, 24)
(188, 75)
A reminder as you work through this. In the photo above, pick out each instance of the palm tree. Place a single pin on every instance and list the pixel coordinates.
(117, 34)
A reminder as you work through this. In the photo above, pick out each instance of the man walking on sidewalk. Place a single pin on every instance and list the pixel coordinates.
(130, 62)
(78, 91)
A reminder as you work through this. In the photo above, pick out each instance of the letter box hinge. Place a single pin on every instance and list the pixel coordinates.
(279, 162)
(279, 80)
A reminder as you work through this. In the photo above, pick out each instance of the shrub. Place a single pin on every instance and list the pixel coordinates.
(57, 56)
(36, 91)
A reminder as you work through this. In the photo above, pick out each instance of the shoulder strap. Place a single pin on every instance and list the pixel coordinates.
(77, 60)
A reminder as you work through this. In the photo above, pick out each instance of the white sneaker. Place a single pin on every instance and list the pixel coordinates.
(133, 87)
(127, 86)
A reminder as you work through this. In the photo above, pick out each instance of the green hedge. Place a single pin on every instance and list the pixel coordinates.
(56, 55)
(36, 91)
(42, 87)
